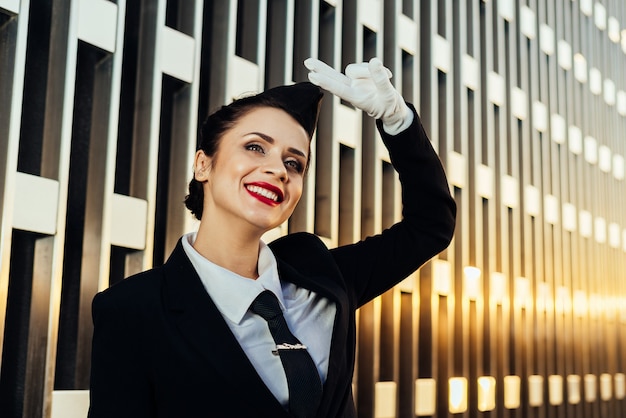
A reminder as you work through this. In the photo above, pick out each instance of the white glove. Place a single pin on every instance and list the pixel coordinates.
(367, 87)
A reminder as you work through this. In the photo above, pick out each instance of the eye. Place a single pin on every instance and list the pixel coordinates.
(255, 147)
(294, 165)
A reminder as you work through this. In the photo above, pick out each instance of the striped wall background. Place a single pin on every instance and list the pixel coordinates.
(525, 100)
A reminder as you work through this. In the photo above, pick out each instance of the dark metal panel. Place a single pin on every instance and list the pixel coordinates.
(411, 332)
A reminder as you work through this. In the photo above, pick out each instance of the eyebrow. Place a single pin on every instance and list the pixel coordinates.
(271, 140)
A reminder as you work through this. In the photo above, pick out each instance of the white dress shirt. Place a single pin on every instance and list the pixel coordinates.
(309, 316)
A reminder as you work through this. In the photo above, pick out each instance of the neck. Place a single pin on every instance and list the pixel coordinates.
(230, 248)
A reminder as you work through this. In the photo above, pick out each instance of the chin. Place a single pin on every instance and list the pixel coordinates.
(265, 226)
(265, 223)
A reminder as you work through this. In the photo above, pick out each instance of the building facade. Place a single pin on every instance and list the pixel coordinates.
(524, 315)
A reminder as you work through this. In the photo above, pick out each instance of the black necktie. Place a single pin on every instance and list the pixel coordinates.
(303, 380)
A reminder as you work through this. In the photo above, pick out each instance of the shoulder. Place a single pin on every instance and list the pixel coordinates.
(147, 286)
(131, 294)
(296, 242)
(304, 251)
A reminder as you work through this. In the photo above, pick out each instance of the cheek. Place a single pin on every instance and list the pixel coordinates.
(232, 170)
(296, 191)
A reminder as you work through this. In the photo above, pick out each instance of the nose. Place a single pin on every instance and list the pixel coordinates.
(276, 167)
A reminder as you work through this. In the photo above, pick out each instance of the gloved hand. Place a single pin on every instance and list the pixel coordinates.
(367, 87)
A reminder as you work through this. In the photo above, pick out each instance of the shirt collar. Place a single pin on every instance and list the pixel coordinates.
(232, 293)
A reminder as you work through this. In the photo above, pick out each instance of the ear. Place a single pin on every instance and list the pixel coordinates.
(201, 166)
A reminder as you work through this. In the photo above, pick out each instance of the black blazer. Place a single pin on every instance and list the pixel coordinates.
(162, 349)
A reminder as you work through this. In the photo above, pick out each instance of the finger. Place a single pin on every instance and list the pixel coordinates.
(331, 84)
(326, 77)
(362, 70)
(314, 64)
(380, 76)
(359, 70)
(319, 67)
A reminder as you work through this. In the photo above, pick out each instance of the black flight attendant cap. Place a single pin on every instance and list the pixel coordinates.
(301, 101)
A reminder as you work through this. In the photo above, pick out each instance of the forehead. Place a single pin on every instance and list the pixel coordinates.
(273, 122)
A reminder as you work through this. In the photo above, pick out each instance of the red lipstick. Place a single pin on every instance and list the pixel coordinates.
(265, 192)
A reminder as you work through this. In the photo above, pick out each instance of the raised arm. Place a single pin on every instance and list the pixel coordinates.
(379, 262)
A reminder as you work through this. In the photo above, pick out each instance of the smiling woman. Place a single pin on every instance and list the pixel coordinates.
(252, 183)
(230, 326)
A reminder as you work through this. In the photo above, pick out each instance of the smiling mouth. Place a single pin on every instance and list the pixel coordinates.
(264, 193)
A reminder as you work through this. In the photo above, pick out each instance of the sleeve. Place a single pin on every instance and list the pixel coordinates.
(119, 385)
(377, 263)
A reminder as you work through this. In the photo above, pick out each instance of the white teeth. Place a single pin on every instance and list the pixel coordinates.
(263, 192)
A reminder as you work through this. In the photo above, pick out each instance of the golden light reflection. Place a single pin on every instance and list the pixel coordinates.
(498, 287)
(563, 301)
(590, 382)
(522, 293)
(486, 393)
(580, 303)
(535, 390)
(544, 297)
(555, 389)
(442, 277)
(620, 386)
(472, 282)
(457, 401)
(573, 389)
(512, 386)
(595, 306)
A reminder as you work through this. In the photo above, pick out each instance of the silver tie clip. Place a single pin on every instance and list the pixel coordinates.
(287, 346)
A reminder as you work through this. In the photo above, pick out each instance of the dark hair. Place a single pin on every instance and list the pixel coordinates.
(213, 129)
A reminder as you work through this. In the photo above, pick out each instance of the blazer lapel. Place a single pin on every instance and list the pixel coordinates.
(203, 327)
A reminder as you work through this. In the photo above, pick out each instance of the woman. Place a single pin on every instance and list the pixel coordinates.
(194, 338)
